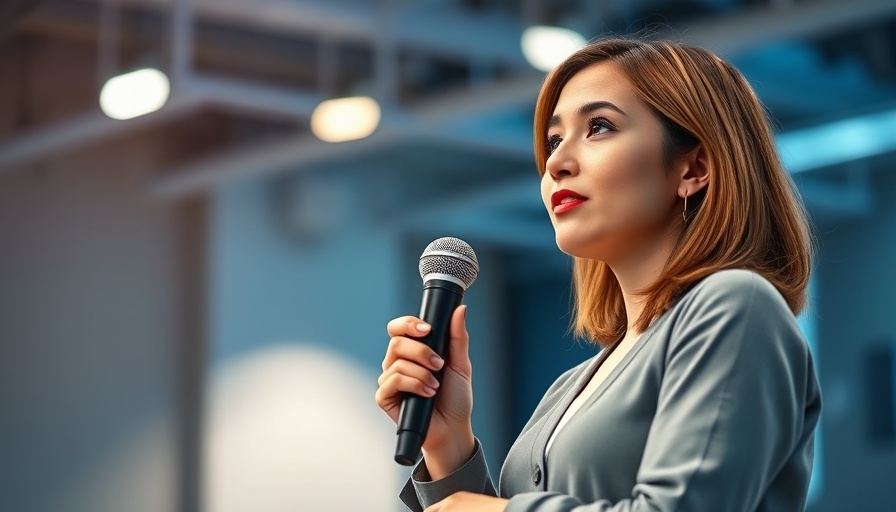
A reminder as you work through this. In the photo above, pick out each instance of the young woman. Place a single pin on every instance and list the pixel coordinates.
(691, 258)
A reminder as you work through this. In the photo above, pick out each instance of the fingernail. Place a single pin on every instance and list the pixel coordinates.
(437, 361)
(464, 314)
(429, 391)
(422, 326)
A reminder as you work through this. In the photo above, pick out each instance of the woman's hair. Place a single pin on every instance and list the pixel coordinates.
(748, 216)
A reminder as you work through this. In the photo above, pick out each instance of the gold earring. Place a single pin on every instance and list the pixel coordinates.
(684, 213)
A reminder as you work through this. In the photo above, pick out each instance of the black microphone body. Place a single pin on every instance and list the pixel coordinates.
(448, 267)
(440, 299)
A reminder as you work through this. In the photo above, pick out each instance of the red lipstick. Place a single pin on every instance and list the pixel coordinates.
(564, 200)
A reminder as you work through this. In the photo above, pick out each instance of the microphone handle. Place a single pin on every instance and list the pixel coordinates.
(440, 299)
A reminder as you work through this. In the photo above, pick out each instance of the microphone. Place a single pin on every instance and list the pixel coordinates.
(448, 267)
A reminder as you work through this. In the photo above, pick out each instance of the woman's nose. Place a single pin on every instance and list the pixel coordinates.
(561, 164)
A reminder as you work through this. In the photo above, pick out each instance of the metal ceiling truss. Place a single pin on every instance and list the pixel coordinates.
(487, 41)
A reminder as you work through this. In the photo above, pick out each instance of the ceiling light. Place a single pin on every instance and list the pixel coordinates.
(545, 47)
(344, 119)
(134, 94)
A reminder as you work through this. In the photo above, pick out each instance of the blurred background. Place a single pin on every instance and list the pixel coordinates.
(199, 250)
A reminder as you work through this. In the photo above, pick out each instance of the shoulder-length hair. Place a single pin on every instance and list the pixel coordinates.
(748, 216)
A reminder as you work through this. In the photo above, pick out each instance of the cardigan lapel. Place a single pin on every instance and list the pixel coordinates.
(537, 457)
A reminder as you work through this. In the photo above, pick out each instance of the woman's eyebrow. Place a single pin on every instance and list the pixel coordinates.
(586, 109)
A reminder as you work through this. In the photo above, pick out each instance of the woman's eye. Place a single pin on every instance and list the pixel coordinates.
(553, 142)
(599, 126)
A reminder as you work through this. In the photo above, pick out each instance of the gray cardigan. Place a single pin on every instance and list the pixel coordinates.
(714, 408)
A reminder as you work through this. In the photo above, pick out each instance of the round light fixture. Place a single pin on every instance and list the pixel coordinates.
(344, 119)
(134, 94)
(545, 47)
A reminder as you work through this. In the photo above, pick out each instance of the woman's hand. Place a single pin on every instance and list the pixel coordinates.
(469, 502)
(408, 368)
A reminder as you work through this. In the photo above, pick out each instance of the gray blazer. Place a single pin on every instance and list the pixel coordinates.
(714, 408)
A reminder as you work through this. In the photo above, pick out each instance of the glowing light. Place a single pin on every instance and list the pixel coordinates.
(134, 94)
(838, 142)
(274, 440)
(545, 47)
(344, 119)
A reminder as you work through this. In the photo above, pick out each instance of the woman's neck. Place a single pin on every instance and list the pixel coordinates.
(637, 272)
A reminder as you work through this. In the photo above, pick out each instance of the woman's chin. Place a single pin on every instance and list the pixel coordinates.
(575, 247)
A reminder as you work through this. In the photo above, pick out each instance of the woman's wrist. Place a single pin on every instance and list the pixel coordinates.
(442, 461)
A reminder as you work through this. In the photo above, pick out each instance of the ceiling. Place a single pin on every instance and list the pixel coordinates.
(457, 93)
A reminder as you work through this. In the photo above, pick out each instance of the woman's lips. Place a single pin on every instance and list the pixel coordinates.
(564, 200)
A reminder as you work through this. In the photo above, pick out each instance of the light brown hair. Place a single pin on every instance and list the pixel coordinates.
(748, 216)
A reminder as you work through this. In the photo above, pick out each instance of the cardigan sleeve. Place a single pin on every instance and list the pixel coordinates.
(730, 410)
(420, 491)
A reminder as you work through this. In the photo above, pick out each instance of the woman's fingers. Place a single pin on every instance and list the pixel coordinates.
(389, 393)
(412, 350)
(460, 342)
(409, 369)
(409, 365)
(401, 346)
(407, 326)
(398, 383)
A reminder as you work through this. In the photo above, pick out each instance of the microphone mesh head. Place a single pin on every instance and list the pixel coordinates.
(450, 256)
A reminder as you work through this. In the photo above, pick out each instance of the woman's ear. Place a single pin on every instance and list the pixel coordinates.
(695, 168)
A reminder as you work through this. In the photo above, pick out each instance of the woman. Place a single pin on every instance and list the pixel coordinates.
(691, 258)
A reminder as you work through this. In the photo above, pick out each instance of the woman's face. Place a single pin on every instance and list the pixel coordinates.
(606, 188)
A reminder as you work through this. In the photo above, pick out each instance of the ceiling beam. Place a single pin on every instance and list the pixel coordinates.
(446, 29)
(438, 27)
(730, 35)
(801, 20)
(20, 150)
(191, 94)
(430, 121)
(838, 142)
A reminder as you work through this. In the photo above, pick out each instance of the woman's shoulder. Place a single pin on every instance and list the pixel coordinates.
(732, 297)
(733, 302)
(735, 287)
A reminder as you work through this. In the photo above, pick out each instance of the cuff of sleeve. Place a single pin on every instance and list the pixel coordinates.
(419, 492)
(540, 500)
